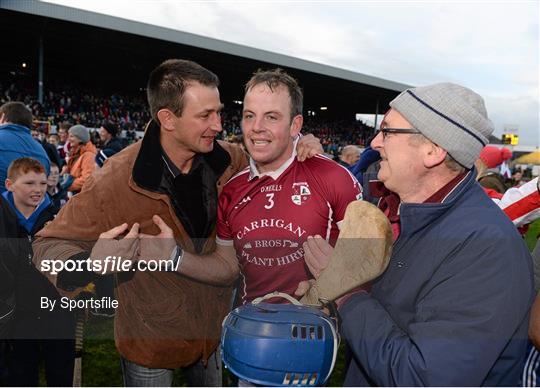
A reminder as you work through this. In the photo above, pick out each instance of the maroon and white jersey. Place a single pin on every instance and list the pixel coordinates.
(521, 204)
(269, 216)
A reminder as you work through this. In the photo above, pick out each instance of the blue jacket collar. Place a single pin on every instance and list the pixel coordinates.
(14, 127)
(27, 223)
(415, 216)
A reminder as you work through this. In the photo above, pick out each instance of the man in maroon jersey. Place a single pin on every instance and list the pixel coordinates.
(268, 210)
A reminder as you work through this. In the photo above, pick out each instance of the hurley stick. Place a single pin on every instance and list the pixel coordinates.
(79, 330)
(80, 317)
(361, 254)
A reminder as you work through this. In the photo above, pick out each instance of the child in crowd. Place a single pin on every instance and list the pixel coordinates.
(34, 333)
(56, 192)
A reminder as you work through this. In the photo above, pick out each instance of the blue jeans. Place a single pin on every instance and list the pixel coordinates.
(197, 374)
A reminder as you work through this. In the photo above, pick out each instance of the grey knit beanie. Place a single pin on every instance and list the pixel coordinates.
(449, 115)
(81, 132)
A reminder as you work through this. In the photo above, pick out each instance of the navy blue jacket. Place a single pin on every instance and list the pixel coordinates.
(16, 142)
(452, 307)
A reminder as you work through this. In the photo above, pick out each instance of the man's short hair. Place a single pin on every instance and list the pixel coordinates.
(16, 112)
(449, 161)
(66, 125)
(168, 82)
(111, 128)
(275, 78)
(23, 166)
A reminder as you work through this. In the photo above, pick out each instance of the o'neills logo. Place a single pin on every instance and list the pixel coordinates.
(300, 193)
(270, 223)
(243, 201)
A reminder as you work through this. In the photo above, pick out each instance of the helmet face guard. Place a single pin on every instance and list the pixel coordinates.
(279, 344)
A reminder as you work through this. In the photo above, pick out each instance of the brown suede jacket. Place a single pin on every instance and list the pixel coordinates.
(164, 319)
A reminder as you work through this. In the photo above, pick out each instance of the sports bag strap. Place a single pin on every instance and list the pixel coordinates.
(277, 294)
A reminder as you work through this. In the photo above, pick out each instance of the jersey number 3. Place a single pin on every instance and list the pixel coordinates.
(270, 203)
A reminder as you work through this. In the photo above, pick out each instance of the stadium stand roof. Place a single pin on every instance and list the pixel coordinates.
(110, 53)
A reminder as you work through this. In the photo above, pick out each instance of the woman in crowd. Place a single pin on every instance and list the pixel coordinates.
(80, 164)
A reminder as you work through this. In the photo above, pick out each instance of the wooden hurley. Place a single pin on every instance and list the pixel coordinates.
(361, 254)
(79, 330)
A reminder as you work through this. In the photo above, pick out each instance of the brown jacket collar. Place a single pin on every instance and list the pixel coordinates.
(148, 168)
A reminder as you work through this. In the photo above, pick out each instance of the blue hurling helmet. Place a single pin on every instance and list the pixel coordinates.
(279, 344)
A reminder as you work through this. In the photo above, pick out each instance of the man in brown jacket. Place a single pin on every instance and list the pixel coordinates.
(164, 320)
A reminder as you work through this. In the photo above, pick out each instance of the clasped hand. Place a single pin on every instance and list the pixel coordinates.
(134, 246)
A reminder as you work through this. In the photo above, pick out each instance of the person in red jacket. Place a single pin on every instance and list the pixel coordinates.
(487, 165)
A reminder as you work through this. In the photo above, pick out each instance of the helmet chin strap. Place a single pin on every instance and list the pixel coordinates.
(277, 294)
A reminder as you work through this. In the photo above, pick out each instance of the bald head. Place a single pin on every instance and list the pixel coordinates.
(350, 154)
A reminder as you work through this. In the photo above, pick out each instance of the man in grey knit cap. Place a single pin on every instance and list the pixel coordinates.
(452, 307)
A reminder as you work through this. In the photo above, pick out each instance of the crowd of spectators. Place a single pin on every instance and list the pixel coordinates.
(336, 134)
(130, 114)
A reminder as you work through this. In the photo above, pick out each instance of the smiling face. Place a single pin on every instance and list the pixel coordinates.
(54, 176)
(62, 134)
(73, 140)
(401, 164)
(268, 128)
(195, 130)
(104, 135)
(28, 190)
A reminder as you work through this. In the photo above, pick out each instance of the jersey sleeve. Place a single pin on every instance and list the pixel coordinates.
(343, 188)
(224, 232)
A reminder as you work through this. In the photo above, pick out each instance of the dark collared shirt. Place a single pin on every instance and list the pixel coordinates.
(193, 196)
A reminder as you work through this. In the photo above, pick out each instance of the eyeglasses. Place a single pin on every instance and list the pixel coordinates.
(386, 131)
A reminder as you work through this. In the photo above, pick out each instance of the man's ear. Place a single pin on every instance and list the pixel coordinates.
(433, 154)
(296, 125)
(9, 184)
(167, 119)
